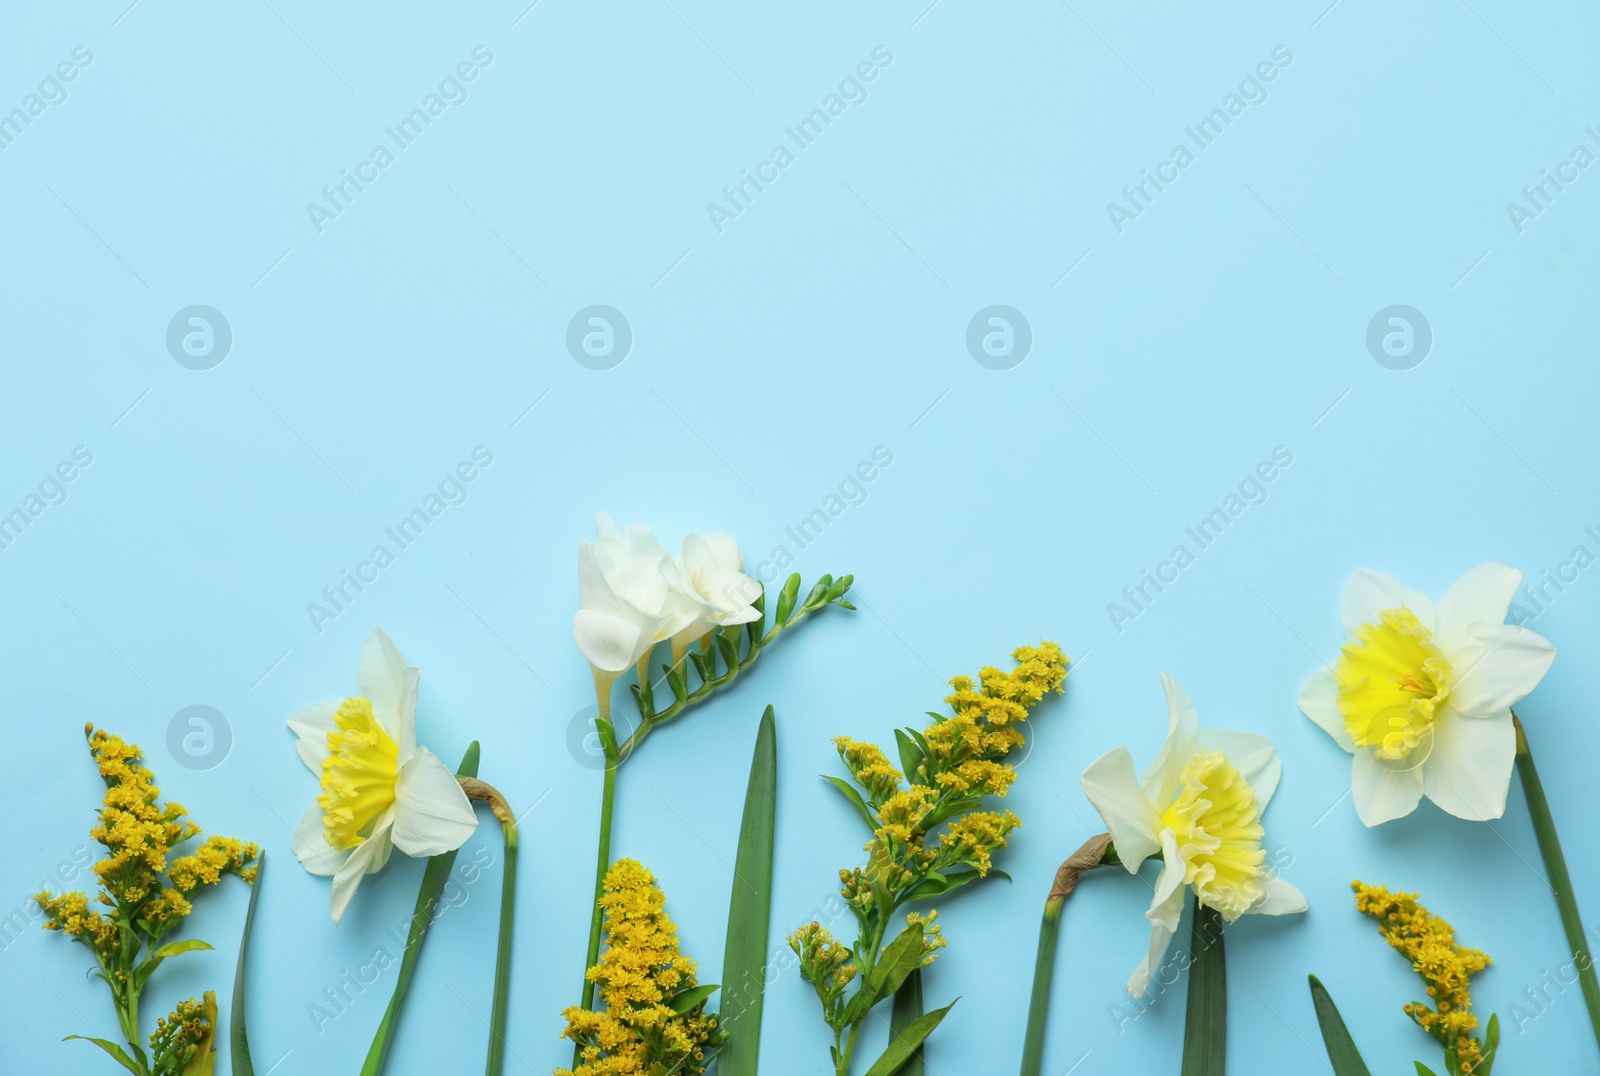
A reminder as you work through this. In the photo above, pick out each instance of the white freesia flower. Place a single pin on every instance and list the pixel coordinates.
(1199, 808)
(629, 602)
(1422, 693)
(379, 789)
(711, 571)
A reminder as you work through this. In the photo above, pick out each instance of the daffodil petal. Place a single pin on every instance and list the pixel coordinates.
(1164, 916)
(366, 858)
(1281, 899)
(311, 847)
(407, 742)
(1496, 665)
(1162, 779)
(1383, 791)
(1469, 770)
(1252, 755)
(1482, 594)
(311, 726)
(1319, 700)
(381, 679)
(1132, 821)
(1367, 593)
(432, 813)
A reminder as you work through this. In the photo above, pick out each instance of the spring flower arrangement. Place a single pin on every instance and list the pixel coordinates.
(1421, 698)
(146, 890)
(711, 617)
(1429, 945)
(930, 838)
(1198, 811)
(382, 791)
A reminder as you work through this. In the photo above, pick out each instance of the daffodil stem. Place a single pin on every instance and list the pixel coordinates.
(487, 793)
(1096, 852)
(1555, 864)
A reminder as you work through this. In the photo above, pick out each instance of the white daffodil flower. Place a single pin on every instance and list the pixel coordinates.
(379, 789)
(711, 571)
(629, 602)
(1422, 693)
(1199, 808)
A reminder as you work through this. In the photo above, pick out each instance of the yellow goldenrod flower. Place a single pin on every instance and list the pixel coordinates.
(1429, 943)
(1199, 807)
(639, 974)
(1421, 695)
(379, 789)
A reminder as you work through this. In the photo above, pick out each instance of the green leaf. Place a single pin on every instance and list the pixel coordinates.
(238, 1037)
(937, 885)
(907, 1010)
(1424, 1070)
(1205, 1032)
(950, 810)
(910, 755)
(855, 799)
(685, 1000)
(899, 960)
(786, 597)
(1491, 1043)
(1342, 1052)
(729, 651)
(744, 953)
(117, 1053)
(433, 883)
(841, 603)
(188, 945)
(906, 1043)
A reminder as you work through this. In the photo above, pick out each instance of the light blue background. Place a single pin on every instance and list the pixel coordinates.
(768, 361)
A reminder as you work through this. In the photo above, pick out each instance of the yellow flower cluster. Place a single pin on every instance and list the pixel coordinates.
(188, 1030)
(639, 974)
(1429, 943)
(974, 838)
(869, 765)
(966, 749)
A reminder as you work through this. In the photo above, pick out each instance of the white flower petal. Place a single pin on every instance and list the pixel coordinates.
(366, 858)
(1368, 592)
(1162, 780)
(604, 527)
(381, 679)
(1483, 593)
(725, 547)
(1113, 789)
(1252, 755)
(1469, 770)
(311, 847)
(1164, 914)
(408, 715)
(1383, 791)
(609, 642)
(311, 726)
(1495, 666)
(1319, 700)
(432, 813)
(1281, 899)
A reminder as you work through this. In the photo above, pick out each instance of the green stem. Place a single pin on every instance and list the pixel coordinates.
(480, 790)
(1205, 1022)
(608, 799)
(1555, 864)
(1096, 852)
(433, 882)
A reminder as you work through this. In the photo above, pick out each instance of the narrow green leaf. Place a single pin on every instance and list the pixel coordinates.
(118, 1053)
(899, 960)
(910, 755)
(433, 883)
(1205, 1032)
(188, 945)
(855, 799)
(1424, 1070)
(744, 953)
(1342, 1052)
(906, 1043)
(685, 1000)
(950, 810)
(944, 884)
(729, 651)
(907, 1011)
(841, 603)
(1491, 1043)
(238, 1037)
